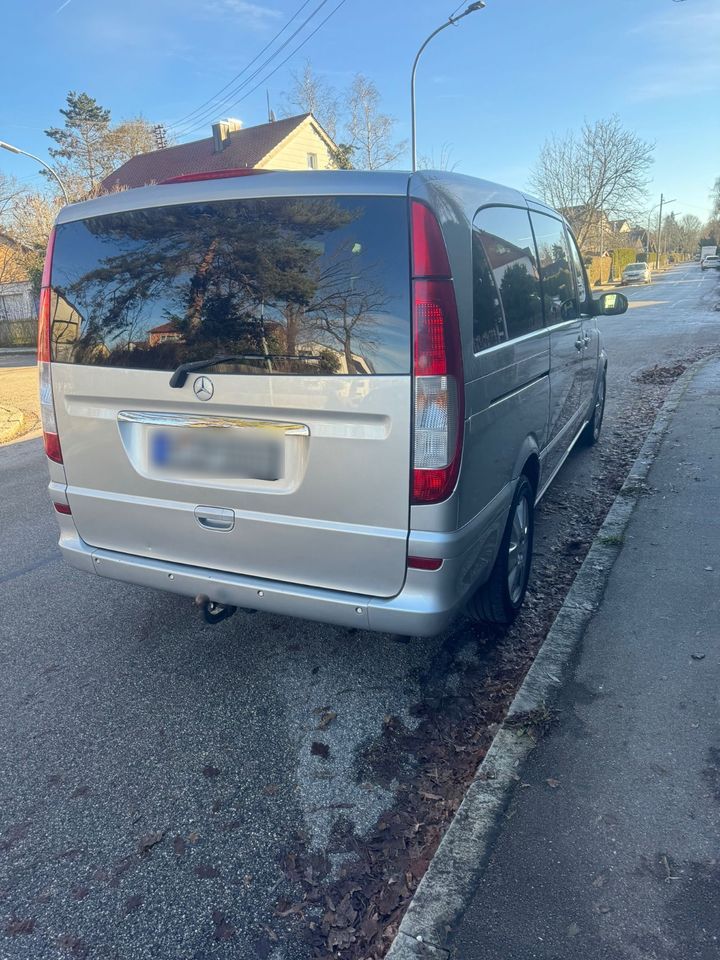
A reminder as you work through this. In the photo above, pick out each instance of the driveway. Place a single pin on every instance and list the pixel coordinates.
(155, 770)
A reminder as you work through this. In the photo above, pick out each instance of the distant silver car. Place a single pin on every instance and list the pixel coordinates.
(636, 273)
(711, 262)
(334, 395)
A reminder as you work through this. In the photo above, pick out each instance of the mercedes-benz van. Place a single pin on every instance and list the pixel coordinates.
(334, 395)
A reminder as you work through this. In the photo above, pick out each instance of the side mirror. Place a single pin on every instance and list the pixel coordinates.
(610, 304)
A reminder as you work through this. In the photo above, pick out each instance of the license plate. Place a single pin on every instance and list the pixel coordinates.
(223, 452)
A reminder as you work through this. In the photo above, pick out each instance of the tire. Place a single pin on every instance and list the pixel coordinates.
(499, 600)
(591, 434)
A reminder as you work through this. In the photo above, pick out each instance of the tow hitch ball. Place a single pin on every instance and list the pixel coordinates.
(213, 612)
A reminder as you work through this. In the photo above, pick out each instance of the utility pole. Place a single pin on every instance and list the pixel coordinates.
(657, 246)
(659, 233)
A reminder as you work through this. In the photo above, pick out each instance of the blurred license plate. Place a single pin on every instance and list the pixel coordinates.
(218, 452)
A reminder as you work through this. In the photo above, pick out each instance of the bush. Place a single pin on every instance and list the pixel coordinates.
(621, 258)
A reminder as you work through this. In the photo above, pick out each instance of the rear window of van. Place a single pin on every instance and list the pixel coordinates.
(308, 285)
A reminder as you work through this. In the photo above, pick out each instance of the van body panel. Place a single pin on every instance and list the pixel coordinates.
(304, 527)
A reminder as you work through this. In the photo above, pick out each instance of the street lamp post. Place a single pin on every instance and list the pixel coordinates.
(9, 147)
(451, 21)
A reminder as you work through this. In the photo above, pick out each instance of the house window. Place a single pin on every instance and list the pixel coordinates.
(312, 161)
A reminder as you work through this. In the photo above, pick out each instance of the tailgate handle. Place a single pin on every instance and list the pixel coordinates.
(215, 518)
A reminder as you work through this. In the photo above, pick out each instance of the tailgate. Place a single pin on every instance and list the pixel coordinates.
(289, 462)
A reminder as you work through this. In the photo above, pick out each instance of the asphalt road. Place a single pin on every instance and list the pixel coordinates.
(153, 769)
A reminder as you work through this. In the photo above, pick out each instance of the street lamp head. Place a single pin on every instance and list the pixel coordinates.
(9, 146)
(475, 6)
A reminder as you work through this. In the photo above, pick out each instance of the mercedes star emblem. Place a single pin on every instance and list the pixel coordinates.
(203, 388)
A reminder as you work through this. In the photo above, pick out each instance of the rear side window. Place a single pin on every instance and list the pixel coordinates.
(504, 236)
(311, 286)
(558, 286)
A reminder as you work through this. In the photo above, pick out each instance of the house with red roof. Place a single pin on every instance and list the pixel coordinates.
(293, 143)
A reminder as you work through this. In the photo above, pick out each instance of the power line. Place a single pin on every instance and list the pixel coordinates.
(200, 120)
(227, 100)
(282, 62)
(237, 76)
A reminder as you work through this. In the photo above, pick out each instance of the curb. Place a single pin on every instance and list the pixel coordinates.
(452, 876)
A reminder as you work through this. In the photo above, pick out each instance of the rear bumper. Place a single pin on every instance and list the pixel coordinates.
(426, 605)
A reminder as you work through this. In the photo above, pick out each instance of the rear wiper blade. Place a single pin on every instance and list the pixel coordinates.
(181, 374)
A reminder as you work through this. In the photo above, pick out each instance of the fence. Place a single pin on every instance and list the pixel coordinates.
(18, 315)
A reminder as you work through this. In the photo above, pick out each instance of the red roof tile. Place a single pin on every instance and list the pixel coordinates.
(246, 148)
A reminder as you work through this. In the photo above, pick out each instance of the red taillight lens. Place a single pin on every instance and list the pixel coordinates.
(52, 447)
(47, 404)
(422, 563)
(43, 352)
(437, 365)
(63, 508)
(429, 255)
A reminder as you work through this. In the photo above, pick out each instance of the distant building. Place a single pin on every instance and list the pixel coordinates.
(18, 309)
(164, 333)
(294, 143)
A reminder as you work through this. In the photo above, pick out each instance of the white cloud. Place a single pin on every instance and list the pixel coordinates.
(251, 15)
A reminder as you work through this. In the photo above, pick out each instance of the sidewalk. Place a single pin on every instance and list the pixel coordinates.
(610, 849)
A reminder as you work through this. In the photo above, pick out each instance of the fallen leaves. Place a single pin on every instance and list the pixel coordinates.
(223, 928)
(133, 903)
(326, 717)
(150, 840)
(552, 782)
(17, 926)
(318, 749)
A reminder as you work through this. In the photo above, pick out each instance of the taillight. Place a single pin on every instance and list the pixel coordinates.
(47, 406)
(63, 508)
(437, 364)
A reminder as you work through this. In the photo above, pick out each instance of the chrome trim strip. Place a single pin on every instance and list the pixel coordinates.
(190, 420)
(542, 493)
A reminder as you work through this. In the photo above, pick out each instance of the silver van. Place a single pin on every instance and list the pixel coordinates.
(333, 395)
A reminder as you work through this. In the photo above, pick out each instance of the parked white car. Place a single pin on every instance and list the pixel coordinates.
(710, 263)
(636, 273)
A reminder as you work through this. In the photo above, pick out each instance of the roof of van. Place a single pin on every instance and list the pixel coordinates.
(305, 183)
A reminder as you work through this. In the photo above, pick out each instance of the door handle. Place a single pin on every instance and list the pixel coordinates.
(215, 518)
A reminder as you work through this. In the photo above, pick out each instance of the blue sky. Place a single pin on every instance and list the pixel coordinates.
(492, 88)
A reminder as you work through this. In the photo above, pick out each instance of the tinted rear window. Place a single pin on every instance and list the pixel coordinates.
(296, 285)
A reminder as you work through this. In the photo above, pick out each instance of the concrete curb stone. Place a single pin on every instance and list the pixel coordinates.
(452, 876)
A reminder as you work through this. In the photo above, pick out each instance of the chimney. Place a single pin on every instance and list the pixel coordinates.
(221, 132)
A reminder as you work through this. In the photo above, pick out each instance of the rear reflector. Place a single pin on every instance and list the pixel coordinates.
(214, 175)
(63, 508)
(437, 364)
(424, 563)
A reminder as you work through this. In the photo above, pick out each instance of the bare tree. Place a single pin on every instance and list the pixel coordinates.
(370, 131)
(130, 138)
(443, 161)
(602, 170)
(311, 94)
